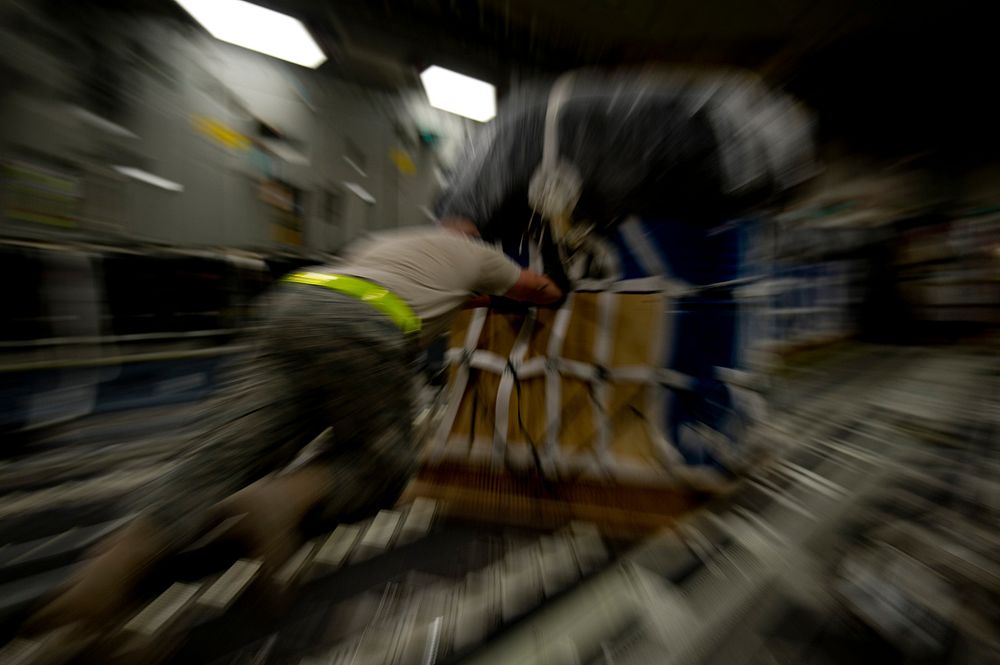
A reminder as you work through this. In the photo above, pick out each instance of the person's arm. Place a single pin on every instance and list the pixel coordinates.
(476, 302)
(499, 275)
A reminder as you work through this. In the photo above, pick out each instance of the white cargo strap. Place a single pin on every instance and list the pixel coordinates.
(560, 92)
(650, 375)
(477, 359)
(658, 404)
(535, 261)
(553, 380)
(487, 360)
(531, 368)
(653, 284)
(598, 373)
(658, 395)
(634, 236)
(507, 378)
(461, 378)
(607, 306)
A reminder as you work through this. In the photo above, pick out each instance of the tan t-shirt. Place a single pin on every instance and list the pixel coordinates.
(434, 270)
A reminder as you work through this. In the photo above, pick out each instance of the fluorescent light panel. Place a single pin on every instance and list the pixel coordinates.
(149, 178)
(258, 29)
(459, 94)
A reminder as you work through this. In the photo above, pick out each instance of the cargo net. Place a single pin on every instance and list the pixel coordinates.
(585, 391)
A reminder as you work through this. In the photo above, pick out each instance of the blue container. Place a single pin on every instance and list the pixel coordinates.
(701, 421)
(689, 252)
(704, 335)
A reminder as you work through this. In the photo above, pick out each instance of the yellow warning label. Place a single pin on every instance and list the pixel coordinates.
(403, 161)
(220, 133)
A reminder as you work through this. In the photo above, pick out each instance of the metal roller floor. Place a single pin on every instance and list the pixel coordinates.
(869, 534)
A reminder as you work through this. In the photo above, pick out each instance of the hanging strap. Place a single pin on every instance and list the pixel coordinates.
(555, 186)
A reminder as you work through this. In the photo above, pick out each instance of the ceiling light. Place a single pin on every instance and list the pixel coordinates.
(459, 94)
(258, 29)
(149, 178)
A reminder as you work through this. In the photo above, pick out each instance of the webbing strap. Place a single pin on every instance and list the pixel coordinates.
(657, 392)
(658, 403)
(487, 360)
(529, 369)
(375, 295)
(644, 252)
(507, 378)
(461, 379)
(654, 284)
(535, 257)
(554, 187)
(607, 307)
(599, 373)
(553, 380)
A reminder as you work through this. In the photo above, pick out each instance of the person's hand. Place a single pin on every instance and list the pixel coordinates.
(535, 288)
(266, 529)
(547, 292)
(101, 589)
(271, 511)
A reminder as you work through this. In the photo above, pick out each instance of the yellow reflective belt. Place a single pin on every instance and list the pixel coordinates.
(377, 296)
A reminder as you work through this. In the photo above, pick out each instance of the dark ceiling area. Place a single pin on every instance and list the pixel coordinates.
(885, 78)
(888, 79)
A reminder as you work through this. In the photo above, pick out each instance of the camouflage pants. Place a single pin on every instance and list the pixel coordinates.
(321, 359)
